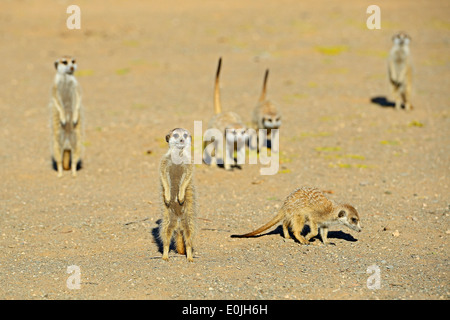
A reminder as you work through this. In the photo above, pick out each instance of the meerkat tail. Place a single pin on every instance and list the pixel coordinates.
(217, 106)
(264, 89)
(268, 225)
(66, 160)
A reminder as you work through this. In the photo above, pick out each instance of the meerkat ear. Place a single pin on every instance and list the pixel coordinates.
(167, 137)
(56, 64)
(342, 214)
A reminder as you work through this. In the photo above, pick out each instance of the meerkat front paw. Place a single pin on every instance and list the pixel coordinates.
(180, 198)
(167, 197)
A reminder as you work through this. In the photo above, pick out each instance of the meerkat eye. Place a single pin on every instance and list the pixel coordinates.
(354, 220)
(64, 62)
(185, 135)
(176, 135)
(73, 61)
(278, 119)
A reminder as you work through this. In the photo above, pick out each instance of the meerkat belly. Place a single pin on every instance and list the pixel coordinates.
(176, 174)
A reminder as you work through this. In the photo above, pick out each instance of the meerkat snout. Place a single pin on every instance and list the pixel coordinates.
(349, 217)
(179, 138)
(401, 38)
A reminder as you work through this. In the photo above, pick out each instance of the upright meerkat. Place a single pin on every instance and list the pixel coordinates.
(400, 70)
(266, 115)
(177, 194)
(66, 116)
(230, 126)
(310, 206)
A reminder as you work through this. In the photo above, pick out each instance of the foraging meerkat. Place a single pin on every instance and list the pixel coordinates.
(66, 116)
(177, 194)
(400, 70)
(266, 115)
(309, 205)
(230, 126)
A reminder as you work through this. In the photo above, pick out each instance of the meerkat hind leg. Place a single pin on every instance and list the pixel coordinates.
(167, 230)
(297, 228)
(58, 157)
(286, 231)
(313, 231)
(188, 225)
(397, 97)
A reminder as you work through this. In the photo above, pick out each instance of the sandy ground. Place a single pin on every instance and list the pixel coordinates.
(148, 66)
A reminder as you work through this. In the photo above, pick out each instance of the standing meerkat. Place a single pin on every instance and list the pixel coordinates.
(266, 115)
(66, 116)
(230, 125)
(310, 206)
(177, 194)
(400, 70)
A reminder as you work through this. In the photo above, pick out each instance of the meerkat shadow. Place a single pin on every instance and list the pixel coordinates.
(331, 234)
(382, 102)
(79, 164)
(157, 239)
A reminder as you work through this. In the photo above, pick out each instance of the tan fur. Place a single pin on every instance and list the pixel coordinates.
(400, 71)
(229, 124)
(67, 119)
(310, 206)
(177, 194)
(266, 115)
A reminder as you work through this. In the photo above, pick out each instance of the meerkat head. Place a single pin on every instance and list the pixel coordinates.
(179, 138)
(348, 216)
(66, 65)
(401, 39)
(271, 121)
(235, 133)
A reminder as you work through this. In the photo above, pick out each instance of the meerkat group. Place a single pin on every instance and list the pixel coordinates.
(304, 206)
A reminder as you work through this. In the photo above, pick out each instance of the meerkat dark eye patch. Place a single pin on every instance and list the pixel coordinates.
(354, 220)
(176, 135)
(185, 135)
(73, 61)
(64, 62)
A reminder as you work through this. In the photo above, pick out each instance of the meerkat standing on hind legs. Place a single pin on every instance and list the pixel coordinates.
(266, 115)
(400, 70)
(230, 125)
(66, 116)
(177, 194)
(310, 206)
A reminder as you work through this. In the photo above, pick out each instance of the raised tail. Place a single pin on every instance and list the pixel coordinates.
(217, 106)
(268, 225)
(264, 89)
(66, 160)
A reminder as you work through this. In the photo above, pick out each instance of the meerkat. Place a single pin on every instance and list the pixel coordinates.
(266, 115)
(400, 70)
(230, 126)
(308, 205)
(66, 121)
(177, 194)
